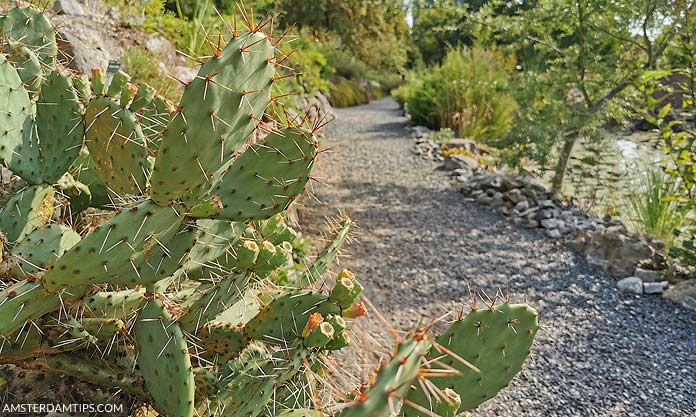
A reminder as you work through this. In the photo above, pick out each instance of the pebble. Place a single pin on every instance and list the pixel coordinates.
(655, 287)
(631, 284)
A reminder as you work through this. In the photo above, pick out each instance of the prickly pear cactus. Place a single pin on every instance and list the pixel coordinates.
(187, 295)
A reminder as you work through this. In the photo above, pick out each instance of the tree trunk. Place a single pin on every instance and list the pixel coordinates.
(564, 157)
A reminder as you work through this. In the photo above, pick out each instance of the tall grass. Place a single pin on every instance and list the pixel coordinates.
(466, 92)
(650, 206)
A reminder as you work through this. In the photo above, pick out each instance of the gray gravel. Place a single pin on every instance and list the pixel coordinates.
(600, 352)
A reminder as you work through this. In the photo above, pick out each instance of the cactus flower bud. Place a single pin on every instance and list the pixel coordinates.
(315, 319)
(98, 81)
(356, 310)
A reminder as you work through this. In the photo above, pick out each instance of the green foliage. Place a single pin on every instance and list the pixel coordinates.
(346, 93)
(373, 31)
(443, 136)
(144, 68)
(467, 92)
(310, 61)
(577, 64)
(676, 183)
(651, 206)
(438, 26)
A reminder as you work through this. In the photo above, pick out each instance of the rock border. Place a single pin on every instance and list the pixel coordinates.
(638, 263)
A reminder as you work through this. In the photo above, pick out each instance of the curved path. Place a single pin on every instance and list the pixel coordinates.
(421, 246)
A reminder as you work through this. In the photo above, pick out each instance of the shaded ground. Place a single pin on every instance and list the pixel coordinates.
(421, 246)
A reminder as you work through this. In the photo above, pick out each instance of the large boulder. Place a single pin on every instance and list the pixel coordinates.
(70, 7)
(683, 293)
(615, 251)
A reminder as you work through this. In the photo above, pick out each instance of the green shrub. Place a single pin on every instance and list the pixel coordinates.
(144, 68)
(650, 207)
(344, 64)
(308, 59)
(467, 92)
(346, 93)
(443, 136)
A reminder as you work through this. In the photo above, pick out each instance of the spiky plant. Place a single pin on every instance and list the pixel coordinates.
(171, 300)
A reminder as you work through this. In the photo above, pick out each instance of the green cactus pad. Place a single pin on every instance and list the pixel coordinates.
(127, 250)
(391, 382)
(213, 299)
(495, 341)
(85, 172)
(267, 177)
(27, 64)
(103, 329)
(82, 86)
(328, 255)
(26, 343)
(117, 147)
(241, 312)
(118, 82)
(114, 304)
(286, 316)
(214, 239)
(26, 211)
(217, 113)
(253, 374)
(27, 300)
(19, 146)
(29, 26)
(59, 125)
(221, 339)
(95, 371)
(41, 248)
(163, 360)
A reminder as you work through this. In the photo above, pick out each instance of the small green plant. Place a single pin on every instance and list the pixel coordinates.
(144, 67)
(347, 93)
(442, 136)
(650, 206)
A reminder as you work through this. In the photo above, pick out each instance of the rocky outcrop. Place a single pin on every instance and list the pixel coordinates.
(90, 34)
(683, 293)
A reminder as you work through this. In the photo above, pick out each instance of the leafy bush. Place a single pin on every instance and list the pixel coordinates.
(467, 93)
(346, 93)
(344, 64)
(443, 136)
(144, 68)
(309, 60)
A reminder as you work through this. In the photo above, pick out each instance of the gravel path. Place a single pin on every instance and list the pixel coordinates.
(600, 352)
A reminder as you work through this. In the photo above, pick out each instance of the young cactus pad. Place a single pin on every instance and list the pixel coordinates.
(164, 361)
(496, 341)
(59, 124)
(267, 177)
(218, 112)
(20, 150)
(26, 211)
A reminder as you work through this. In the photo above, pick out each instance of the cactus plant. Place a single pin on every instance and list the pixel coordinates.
(175, 290)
